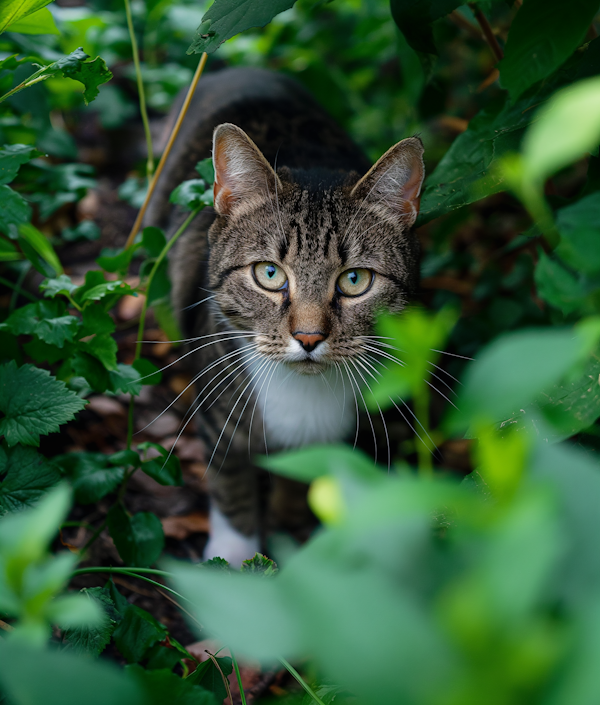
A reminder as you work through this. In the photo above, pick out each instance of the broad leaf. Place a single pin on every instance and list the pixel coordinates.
(14, 210)
(126, 379)
(542, 36)
(60, 285)
(226, 18)
(192, 194)
(579, 225)
(138, 538)
(165, 469)
(27, 476)
(209, 676)
(48, 320)
(162, 687)
(11, 158)
(13, 10)
(414, 19)
(92, 474)
(137, 632)
(558, 286)
(40, 22)
(34, 403)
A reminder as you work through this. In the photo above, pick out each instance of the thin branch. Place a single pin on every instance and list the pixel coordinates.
(488, 33)
(163, 159)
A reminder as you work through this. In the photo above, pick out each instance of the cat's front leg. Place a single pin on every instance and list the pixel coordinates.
(234, 514)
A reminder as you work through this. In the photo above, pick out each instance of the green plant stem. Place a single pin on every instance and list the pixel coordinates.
(17, 289)
(301, 680)
(130, 572)
(37, 77)
(141, 94)
(239, 677)
(421, 399)
(142, 323)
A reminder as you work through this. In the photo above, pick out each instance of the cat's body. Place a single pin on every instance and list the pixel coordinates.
(293, 267)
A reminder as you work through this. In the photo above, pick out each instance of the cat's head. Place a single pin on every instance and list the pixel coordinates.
(306, 261)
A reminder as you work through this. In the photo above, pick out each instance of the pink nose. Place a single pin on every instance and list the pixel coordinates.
(309, 341)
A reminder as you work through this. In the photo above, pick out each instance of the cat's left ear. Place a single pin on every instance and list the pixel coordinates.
(394, 182)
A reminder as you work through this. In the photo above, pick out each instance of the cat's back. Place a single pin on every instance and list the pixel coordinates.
(276, 112)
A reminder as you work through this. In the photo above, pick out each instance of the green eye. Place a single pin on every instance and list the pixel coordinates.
(355, 282)
(269, 276)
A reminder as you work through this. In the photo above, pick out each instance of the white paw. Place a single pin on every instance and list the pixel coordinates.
(225, 542)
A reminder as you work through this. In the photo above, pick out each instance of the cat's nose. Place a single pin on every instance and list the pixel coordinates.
(309, 341)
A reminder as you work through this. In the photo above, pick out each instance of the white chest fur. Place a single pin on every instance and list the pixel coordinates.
(301, 409)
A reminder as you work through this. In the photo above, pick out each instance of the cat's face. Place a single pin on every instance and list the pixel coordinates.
(307, 266)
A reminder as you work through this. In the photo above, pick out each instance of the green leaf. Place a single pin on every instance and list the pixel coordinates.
(11, 158)
(12, 10)
(468, 171)
(415, 17)
(542, 36)
(206, 170)
(259, 564)
(192, 194)
(162, 687)
(153, 241)
(91, 73)
(8, 251)
(28, 476)
(513, 370)
(125, 379)
(41, 245)
(166, 469)
(62, 678)
(14, 210)
(59, 285)
(40, 22)
(558, 286)
(89, 367)
(103, 290)
(34, 403)
(226, 18)
(96, 321)
(209, 677)
(150, 373)
(85, 230)
(138, 538)
(93, 476)
(48, 320)
(137, 632)
(579, 225)
(93, 640)
(104, 348)
(553, 142)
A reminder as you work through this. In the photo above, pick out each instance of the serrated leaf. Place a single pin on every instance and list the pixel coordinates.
(91, 73)
(14, 210)
(58, 285)
(166, 469)
(259, 564)
(93, 640)
(27, 476)
(226, 18)
(137, 632)
(96, 321)
(93, 476)
(138, 538)
(34, 403)
(13, 10)
(11, 158)
(48, 320)
(542, 36)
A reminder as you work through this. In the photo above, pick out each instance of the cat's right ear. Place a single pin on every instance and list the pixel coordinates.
(241, 172)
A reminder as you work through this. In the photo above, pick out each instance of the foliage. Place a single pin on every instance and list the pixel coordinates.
(445, 592)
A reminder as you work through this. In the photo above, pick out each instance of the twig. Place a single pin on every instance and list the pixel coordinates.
(6, 627)
(488, 33)
(141, 93)
(165, 154)
(461, 21)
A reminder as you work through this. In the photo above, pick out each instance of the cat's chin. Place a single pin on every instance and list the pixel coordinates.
(307, 367)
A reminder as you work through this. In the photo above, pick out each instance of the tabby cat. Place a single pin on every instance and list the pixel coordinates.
(278, 285)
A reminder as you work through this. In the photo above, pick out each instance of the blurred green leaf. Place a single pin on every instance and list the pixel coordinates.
(165, 469)
(41, 244)
(126, 379)
(579, 225)
(14, 211)
(415, 17)
(13, 10)
(162, 686)
(543, 34)
(40, 22)
(558, 286)
(208, 676)
(192, 194)
(93, 476)
(136, 633)
(29, 415)
(93, 640)
(11, 158)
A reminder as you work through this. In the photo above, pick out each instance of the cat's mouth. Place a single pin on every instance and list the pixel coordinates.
(307, 366)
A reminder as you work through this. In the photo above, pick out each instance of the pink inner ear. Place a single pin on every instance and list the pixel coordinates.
(412, 187)
(222, 193)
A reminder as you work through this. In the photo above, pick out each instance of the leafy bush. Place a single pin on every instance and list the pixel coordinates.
(420, 588)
